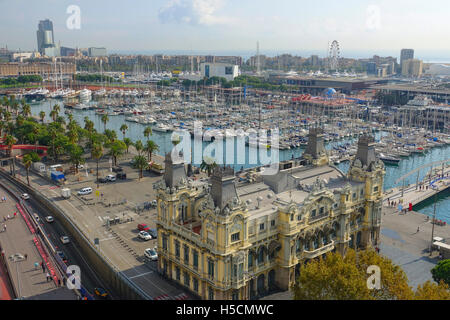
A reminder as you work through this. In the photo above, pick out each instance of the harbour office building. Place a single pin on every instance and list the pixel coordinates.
(233, 238)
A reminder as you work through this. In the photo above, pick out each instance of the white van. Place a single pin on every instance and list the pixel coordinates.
(56, 167)
(85, 191)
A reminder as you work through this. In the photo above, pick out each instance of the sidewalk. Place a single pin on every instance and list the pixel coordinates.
(408, 248)
(29, 282)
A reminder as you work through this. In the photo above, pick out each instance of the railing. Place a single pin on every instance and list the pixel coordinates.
(319, 251)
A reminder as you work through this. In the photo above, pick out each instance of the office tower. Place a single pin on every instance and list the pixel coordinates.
(45, 38)
(406, 54)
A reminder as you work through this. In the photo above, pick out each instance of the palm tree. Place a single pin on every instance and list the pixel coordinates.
(53, 114)
(73, 136)
(97, 153)
(139, 146)
(140, 163)
(15, 106)
(124, 129)
(148, 132)
(42, 116)
(76, 155)
(208, 165)
(28, 160)
(57, 108)
(116, 149)
(26, 110)
(10, 141)
(127, 142)
(105, 119)
(150, 148)
(5, 102)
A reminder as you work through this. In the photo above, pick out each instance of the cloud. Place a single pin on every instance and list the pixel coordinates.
(194, 12)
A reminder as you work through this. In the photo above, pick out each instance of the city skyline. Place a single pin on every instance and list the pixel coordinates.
(216, 26)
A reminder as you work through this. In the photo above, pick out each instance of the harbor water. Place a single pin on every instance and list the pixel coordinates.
(163, 139)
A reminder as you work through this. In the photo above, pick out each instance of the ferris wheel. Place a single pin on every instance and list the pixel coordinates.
(334, 54)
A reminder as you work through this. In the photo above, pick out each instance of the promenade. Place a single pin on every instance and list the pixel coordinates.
(17, 241)
(415, 194)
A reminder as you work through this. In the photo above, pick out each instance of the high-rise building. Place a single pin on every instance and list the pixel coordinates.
(45, 37)
(406, 54)
(97, 52)
(412, 68)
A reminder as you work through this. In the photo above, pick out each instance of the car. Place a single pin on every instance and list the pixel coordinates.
(25, 196)
(80, 166)
(143, 227)
(154, 203)
(100, 292)
(36, 217)
(121, 175)
(49, 219)
(102, 180)
(153, 233)
(111, 177)
(65, 239)
(62, 256)
(144, 235)
(117, 169)
(85, 191)
(151, 254)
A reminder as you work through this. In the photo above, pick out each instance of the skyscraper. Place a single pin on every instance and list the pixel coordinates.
(44, 34)
(406, 54)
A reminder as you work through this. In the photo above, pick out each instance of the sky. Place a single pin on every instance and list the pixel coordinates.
(361, 27)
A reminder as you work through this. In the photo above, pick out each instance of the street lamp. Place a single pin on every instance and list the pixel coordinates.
(432, 223)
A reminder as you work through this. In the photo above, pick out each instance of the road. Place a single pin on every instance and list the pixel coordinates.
(54, 231)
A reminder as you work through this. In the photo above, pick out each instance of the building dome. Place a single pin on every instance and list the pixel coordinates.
(329, 92)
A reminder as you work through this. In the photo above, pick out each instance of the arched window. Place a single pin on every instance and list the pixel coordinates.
(324, 239)
(298, 245)
(250, 259)
(261, 255)
(316, 242)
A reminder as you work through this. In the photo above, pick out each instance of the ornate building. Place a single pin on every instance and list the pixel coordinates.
(242, 237)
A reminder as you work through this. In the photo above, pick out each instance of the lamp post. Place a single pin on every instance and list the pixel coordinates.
(432, 223)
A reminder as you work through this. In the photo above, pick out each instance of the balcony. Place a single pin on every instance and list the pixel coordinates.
(318, 251)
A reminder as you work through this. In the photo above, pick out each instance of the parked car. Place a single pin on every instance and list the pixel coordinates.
(154, 203)
(62, 256)
(121, 175)
(102, 180)
(49, 219)
(143, 227)
(85, 191)
(151, 254)
(36, 217)
(153, 233)
(65, 239)
(144, 235)
(100, 292)
(117, 169)
(111, 177)
(25, 196)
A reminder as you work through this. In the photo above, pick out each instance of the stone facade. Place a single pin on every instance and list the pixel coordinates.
(243, 238)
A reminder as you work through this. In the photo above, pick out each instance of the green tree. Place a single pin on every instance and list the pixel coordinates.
(127, 142)
(148, 132)
(442, 271)
(139, 162)
(28, 160)
(42, 116)
(76, 155)
(150, 148)
(105, 120)
(345, 278)
(116, 149)
(124, 129)
(432, 291)
(97, 153)
(10, 141)
(139, 146)
(54, 115)
(26, 110)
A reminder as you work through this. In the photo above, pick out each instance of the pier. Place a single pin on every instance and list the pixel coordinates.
(421, 191)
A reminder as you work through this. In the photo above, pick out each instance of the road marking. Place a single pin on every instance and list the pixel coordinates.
(107, 239)
(140, 275)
